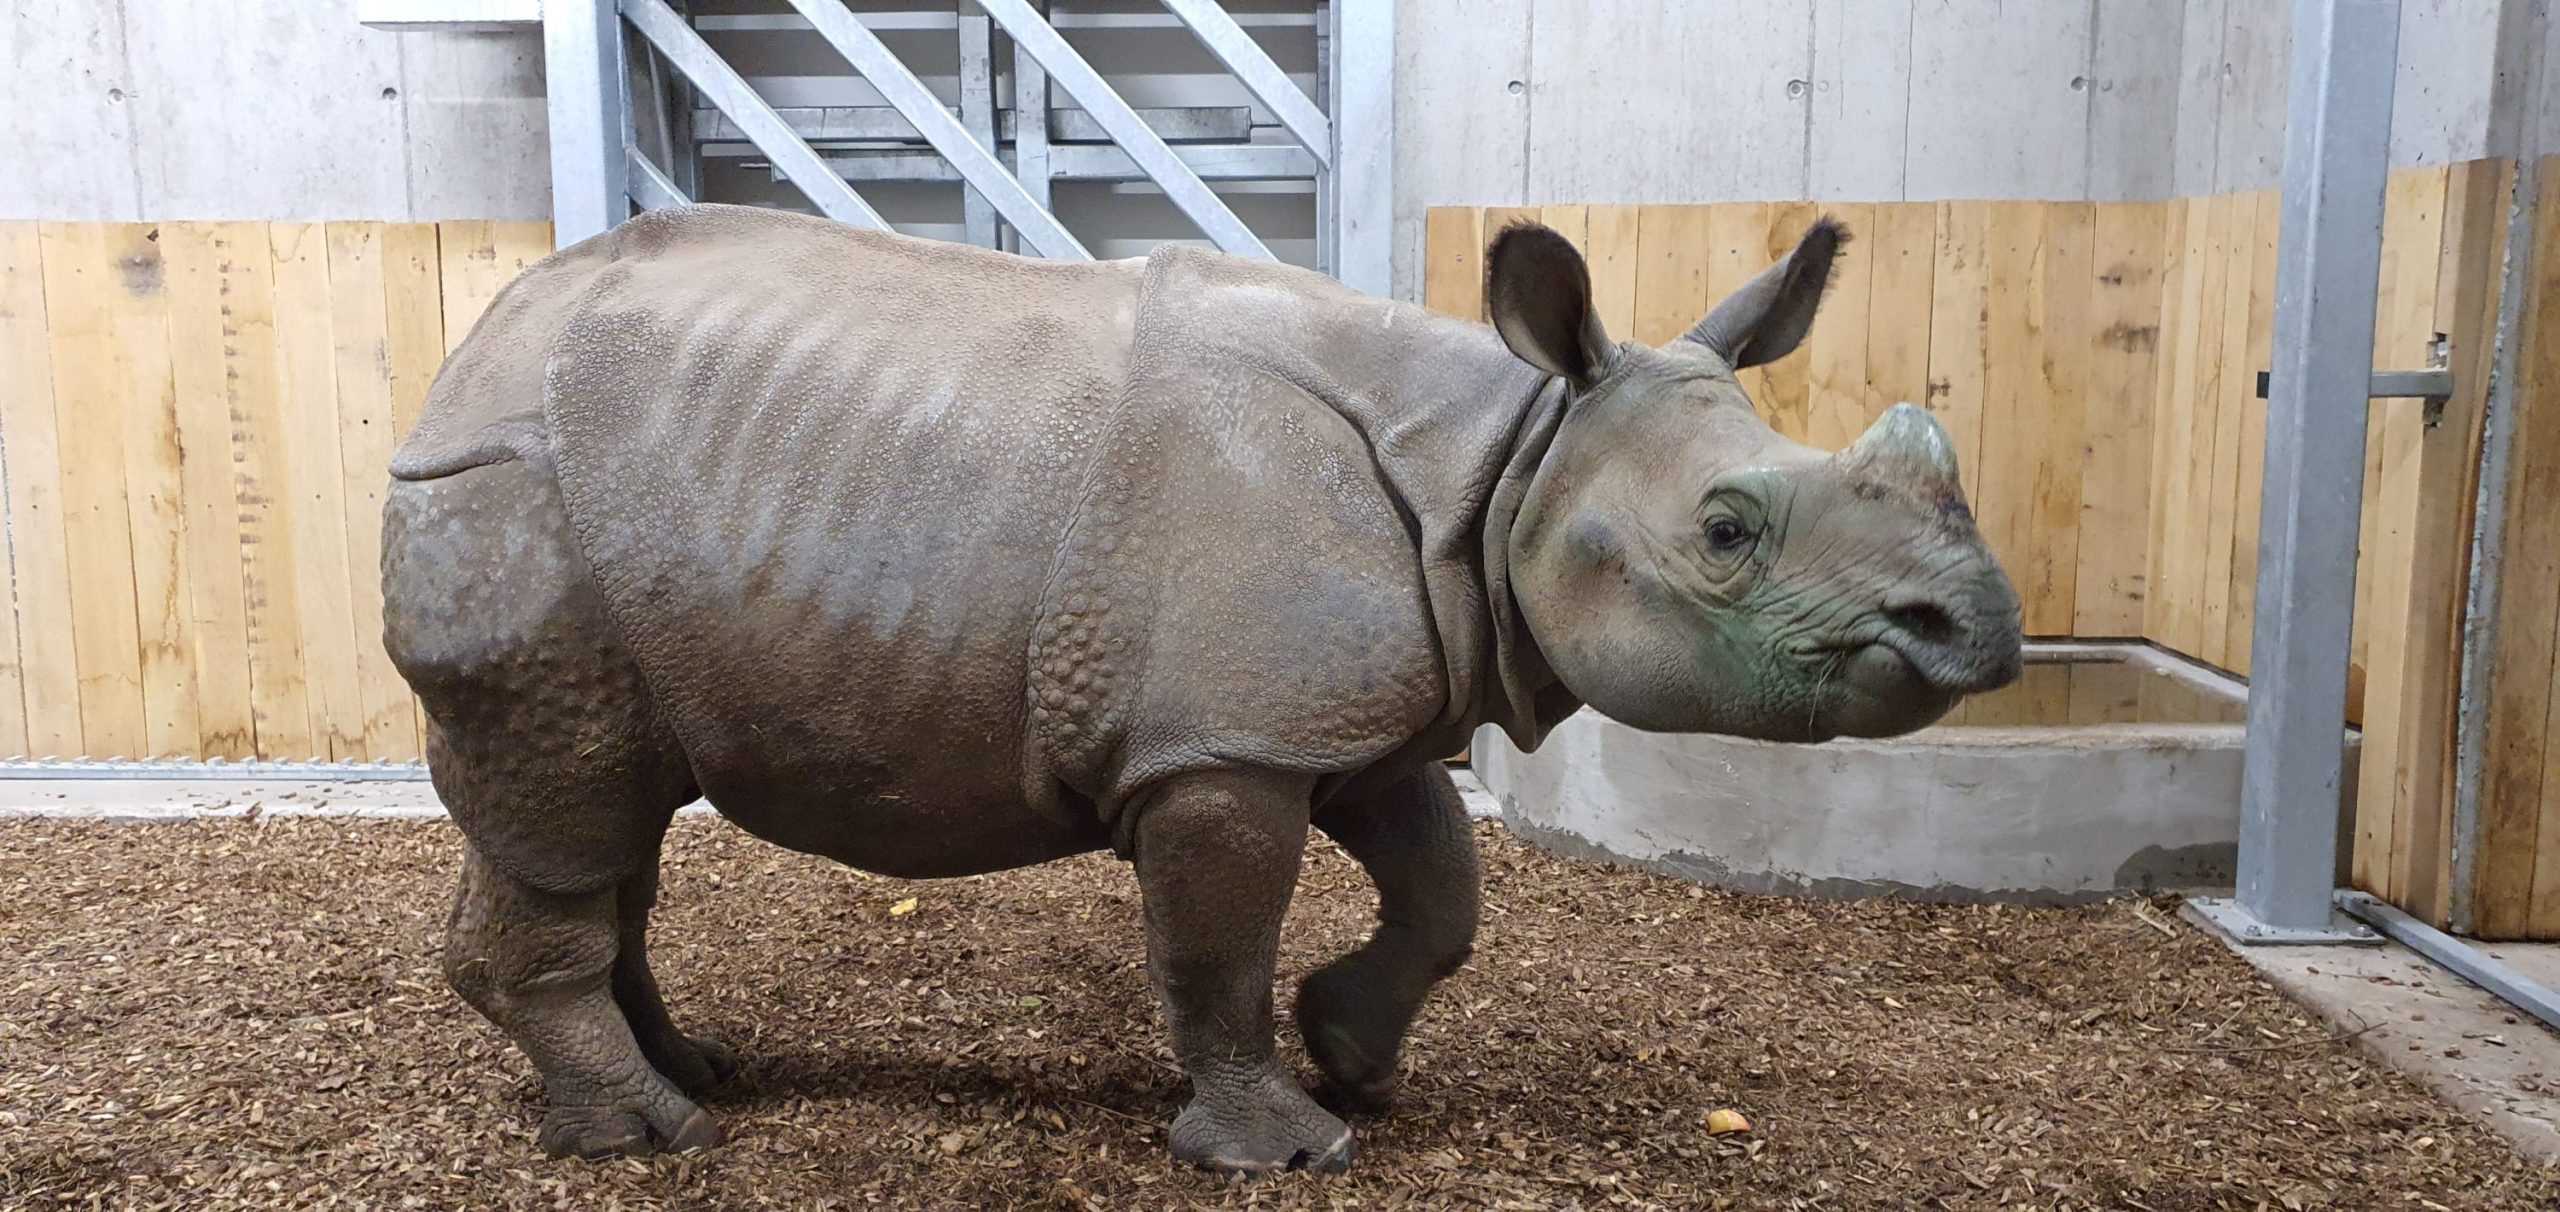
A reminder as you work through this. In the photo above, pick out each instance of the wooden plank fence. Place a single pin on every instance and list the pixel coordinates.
(196, 417)
(196, 420)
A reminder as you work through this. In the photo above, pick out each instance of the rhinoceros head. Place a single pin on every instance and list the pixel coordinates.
(1686, 569)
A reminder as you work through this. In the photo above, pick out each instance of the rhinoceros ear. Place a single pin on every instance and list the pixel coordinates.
(1539, 295)
(1766, 319)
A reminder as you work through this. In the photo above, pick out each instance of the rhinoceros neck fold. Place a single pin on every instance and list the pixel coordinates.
(1455, 425)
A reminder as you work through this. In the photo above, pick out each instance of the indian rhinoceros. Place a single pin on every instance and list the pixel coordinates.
(935, 561)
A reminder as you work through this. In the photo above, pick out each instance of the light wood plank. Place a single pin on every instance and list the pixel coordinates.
(2194, 391)
(1571, 222)
(361, 330)
(2241, 622)
(2124, 349)
(2234, 398)
(1959, 313)
(2180, 287)
(1838, 405)
(279, 692)
(1672, 250)
(2519, 839)
(2035, 403)
(1453, 261)
(2463, 305)
(413, 298)
(1609, 247)
(477, 259)
(46, 697)
(2412, 235)
(203, 348)
(314, 488)
(1786, 385)
(91, 373)
(1738, 249)
(155, 504)
(1902, 248)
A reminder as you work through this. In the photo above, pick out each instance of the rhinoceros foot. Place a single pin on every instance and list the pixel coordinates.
(1261, 1126)
(1353, 1026)
(697, 1066)
(595, 1133)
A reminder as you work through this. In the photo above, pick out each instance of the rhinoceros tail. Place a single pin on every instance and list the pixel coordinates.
(512, 439)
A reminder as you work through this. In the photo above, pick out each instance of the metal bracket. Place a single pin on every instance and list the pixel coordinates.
(2226, 917)
(2433, 385)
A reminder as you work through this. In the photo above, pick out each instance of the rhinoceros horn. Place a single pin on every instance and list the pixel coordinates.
(1906, 432)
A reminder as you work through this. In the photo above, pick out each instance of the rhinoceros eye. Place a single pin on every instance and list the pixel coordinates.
(1727, 535)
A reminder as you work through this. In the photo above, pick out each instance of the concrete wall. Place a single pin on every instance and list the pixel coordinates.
(263, 109)
(138, 109)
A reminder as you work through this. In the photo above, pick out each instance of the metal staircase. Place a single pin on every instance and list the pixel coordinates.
(653, 103)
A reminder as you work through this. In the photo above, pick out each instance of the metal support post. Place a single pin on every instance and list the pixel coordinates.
(1361, 176)
(2328, 265)
(978, 115)
(588, 95)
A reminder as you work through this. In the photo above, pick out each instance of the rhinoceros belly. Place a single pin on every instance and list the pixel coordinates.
(822, 480)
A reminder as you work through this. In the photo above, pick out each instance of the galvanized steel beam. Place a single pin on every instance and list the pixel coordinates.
(1181, 186)
(2328, 266)
(721, 85)
(1235, 48)
(978, 165)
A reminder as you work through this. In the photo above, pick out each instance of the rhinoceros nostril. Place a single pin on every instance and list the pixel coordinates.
(1925, 621)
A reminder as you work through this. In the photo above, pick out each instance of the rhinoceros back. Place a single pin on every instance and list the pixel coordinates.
(916, 542)
(820, 475)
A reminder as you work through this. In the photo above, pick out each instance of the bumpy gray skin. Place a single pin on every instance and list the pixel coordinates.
(937, 561)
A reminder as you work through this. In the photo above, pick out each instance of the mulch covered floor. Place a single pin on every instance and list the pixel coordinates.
(222, 1014)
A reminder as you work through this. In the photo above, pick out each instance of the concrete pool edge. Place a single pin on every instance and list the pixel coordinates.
(2029, 815)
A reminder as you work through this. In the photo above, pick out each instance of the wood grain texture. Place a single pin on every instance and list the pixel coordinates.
(1737, 249)
(47, 691)
(154, 494)
(1453, 261)
(2169, 411)
(2388, 834)
(2240, 623)
(2463, 307)
(1609, 240)
(1902, 248)
(1959, 319)
(2190, 399)
(413, 301)
(360, 330)
(2034, 403)
(1838, 403)
(477, 259)
(313, 482)
(1672, 245)
(202, 350)
(1786, 385)
(279, 692)
(2519, 847)
(83, 292)
(2233, 396)
(2123, 342)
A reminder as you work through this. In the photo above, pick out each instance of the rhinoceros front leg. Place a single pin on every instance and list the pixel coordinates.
(1217, 856)
(1353, 1013)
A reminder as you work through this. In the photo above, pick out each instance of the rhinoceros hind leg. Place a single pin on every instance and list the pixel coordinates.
(540, 965)
(1217, 856)
(697, 1066)
(544, 744)
(1353, 1013)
